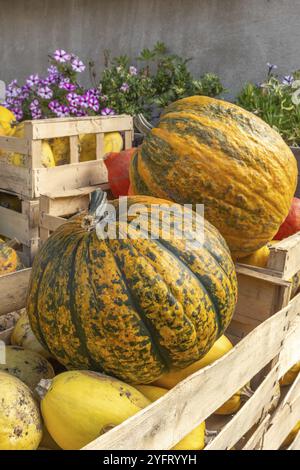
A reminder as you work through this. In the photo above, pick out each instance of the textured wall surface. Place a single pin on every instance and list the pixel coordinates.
(234, 38)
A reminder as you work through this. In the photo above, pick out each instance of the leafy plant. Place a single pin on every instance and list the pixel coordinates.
(273, 101)
(161, 78)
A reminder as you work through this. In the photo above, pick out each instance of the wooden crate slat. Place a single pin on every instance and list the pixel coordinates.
(285, 256)
(165, 422)
(247, 416)
(13, 290)
(16, 179)
(71, 176)
(290, 353)
(65, 127)
(17, 225)
(14, 144)
(74, 149)
(284, 419)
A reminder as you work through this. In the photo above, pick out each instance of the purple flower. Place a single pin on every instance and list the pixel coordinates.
(107, 112)
(18, 113)
(45, 92)
(53, 70)
(93, 103)
(68, 86)
(84, 101)
(52, 79)
(61, 56)
(287, 80)
(33, 80)
(36, 113)
(63, 82)
(271, 67)
(93, 92)
(12, 84)
(73, 99)
(53, 105)
(34, 104)
(124, 87)
(77, 65)
(62, 111)
(133, 70)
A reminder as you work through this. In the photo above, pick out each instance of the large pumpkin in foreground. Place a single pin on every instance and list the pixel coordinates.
(133, 308)
(213, 152)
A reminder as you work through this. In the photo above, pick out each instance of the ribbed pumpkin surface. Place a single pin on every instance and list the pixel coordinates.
(213, 152)
(134, 307)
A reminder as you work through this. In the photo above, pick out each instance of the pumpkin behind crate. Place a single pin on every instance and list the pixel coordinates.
(9, 259)
(211, 152)
(132, 307)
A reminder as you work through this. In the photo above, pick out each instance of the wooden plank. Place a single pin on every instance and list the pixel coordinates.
(100, 152)
(284, 419)
(14, 144)
(285, 256)
(260, 274)
(290, 353)
(128, 139)
(254, 442)
(74, 149)
(260, 297)
(165, 422)
(16, 225)
(6, 334)
(16, 179)
(252, 411)
(13, 290)
(71, 176)
(51, 223)
(64, 127)
(35, 158)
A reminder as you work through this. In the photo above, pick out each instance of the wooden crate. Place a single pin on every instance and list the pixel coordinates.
(23, 226)
(34, 180)
(264, 291)
(255, 426)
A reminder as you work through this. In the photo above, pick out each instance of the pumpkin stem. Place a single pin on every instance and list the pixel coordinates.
(43, 387)
(96, 210)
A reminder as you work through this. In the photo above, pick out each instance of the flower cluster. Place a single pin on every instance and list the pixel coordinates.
(272, 100)
(58, 94)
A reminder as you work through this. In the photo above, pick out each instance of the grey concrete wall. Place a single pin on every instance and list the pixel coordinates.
(234, 38)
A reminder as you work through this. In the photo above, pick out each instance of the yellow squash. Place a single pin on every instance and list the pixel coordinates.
(113, 142)
(290, 375)
(258, 258)
(6, 120)
(23, 336)
(194, 440)
(28, 366)
(20, 160)
(79, 406)
(219, 349)
(60, 147)
(20, 421)
(291, 436)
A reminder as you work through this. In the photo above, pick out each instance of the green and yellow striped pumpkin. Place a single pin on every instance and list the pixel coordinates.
(213, 152)
(132, 307)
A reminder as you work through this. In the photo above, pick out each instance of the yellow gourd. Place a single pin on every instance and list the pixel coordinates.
(290, 375)
(20, 160)
(60, 147)
(194, 440)
(6, 120)
(47, 441)
(219, 349)
(28, 366)
(291, 436)
(20, 421)
(113, 142)
(79, 406)
(258, 258)
(23, 336)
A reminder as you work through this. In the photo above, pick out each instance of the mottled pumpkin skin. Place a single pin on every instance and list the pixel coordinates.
(133, 308)
(9, 259)
(213, 152)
